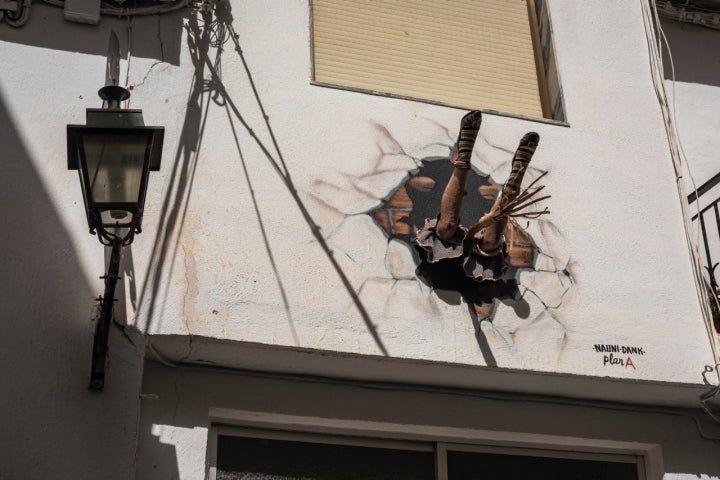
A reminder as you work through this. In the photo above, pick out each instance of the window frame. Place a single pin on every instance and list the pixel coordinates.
(539, 65)
(647, 457)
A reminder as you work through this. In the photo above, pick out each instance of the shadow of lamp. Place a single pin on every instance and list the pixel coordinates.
(113, 154)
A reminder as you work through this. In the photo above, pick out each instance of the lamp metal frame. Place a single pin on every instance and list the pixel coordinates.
(112, 120)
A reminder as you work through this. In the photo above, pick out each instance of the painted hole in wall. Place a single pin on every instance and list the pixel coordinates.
(404, 212)
(371, 222)
(409, 214)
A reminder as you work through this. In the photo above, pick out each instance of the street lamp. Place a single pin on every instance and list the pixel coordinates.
(113, 154)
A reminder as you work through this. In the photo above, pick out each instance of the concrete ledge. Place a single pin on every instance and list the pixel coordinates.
(224, 354)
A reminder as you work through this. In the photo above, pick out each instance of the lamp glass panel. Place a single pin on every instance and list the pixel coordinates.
(115, 166)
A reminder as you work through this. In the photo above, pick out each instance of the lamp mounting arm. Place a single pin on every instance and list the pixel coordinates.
(102, 329)
(108, 238)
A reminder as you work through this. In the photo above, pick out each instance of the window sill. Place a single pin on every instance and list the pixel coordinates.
(547, 121)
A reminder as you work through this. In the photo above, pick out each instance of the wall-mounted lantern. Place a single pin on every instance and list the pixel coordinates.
(114, 154)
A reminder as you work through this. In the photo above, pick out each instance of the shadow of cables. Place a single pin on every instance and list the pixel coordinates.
(277, 161)
(482, 340)
(219, 32)
(174, 207)
(184, 164)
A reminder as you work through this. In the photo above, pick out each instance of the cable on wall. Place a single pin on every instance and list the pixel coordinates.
(15, 15)
(117, 10)
(656, 39)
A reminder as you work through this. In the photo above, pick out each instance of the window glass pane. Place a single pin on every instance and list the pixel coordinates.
(486, 466)
(260, 459)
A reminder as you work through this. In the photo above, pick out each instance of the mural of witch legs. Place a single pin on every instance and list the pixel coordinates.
(477, 253)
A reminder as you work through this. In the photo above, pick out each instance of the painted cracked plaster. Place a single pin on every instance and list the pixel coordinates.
(384, 268)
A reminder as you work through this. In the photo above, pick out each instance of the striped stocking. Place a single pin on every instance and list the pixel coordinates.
(469, 127)
(520, 162)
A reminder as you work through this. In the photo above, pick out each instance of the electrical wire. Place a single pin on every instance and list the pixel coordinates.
(693, 246)
(20, 16)
(679, 161)
(656, 39)
(106, 9)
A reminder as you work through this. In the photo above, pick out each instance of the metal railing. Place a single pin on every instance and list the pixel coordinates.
(709, 218)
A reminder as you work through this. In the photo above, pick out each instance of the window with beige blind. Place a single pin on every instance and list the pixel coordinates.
(491, 55)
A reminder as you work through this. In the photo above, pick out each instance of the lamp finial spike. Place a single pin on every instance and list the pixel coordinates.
(112, 67)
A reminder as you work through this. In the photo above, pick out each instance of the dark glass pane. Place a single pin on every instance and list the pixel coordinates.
(485, 466)
(115, 165)
(258, 459)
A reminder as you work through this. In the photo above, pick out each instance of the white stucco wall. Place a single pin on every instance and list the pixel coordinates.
(242, 264)
(226, 253)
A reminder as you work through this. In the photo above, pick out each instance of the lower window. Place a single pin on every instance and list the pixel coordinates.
(271, 455)
(475, 465)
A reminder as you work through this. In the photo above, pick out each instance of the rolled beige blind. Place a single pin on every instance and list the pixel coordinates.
(475, 54)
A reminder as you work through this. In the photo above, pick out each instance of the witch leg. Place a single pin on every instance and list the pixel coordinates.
(493, 234)
(451, 201)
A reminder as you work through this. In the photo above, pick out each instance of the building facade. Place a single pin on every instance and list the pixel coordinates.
(273, 308)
